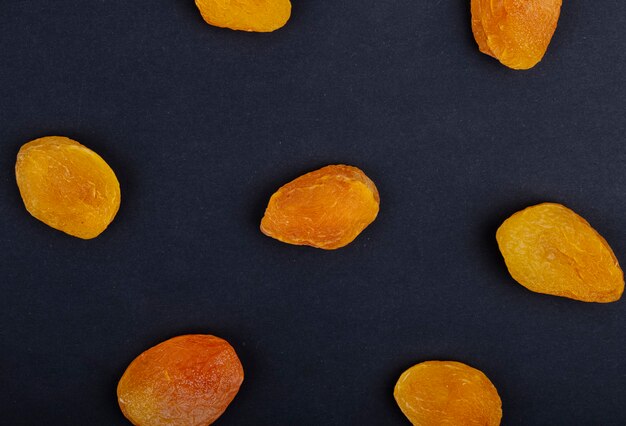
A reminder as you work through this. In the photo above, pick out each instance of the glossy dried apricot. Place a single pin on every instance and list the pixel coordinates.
(67, 186)
(185, 381)
(327, 208)
(516, 32)
(246, 15)
(550, 249)
(435, 393)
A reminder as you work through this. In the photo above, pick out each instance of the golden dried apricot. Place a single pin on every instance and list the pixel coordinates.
(246, 15)
(516, 32)
(327, 208)
(550, 249)
(185, 381)
(67, 186)
(435, 393)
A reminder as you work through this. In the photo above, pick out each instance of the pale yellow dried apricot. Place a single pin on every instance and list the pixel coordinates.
(185, 381)
(67, 186)
(436, 393)
(516, 32)
(327, 208)
(550, 249)
(246, 15)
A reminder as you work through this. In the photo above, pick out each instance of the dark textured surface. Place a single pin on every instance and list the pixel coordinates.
(203, 124)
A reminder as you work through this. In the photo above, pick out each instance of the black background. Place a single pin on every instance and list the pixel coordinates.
(202, 125)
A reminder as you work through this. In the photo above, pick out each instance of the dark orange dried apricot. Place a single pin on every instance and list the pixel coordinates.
(67, 186)
(435, 393)
(246, 15)
(550, 249)
(327, 208)
(185, 381)
(516, 32)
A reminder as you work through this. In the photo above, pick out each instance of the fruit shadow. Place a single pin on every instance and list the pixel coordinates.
(389, 388)
(465, 7)
(12, 195)
(188, 10)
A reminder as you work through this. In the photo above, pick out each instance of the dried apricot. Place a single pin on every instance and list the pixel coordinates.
(435, 393)
(550, 249)
(185, 381)
(516, 32)
(67, 186)
(327, 208)
(246, 15)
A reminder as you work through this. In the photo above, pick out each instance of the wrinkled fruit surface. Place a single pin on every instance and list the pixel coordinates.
(327, 208)
(550, 249)
(185, 381)
(516, 32)
(437, 393)
(67, 186)
(246, 15)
